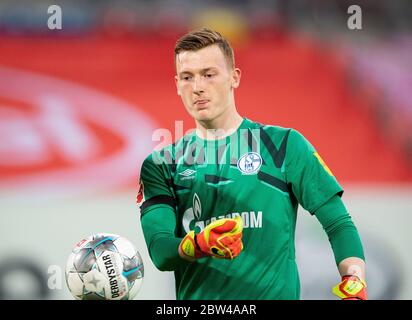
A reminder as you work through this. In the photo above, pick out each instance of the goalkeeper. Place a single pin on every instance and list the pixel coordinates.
(219, 206)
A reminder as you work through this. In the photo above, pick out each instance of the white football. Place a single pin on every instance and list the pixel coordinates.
(104, 266)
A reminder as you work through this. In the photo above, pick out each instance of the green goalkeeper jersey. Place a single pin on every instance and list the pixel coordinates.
(261, 173)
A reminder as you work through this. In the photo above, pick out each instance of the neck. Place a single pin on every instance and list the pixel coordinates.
(220, 127)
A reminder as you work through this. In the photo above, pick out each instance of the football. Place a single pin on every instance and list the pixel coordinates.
(104, 267)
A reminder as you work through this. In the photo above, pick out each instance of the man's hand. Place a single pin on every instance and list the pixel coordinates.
(220, 239)
(351, 288)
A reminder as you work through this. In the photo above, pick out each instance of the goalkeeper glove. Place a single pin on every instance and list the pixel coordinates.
(351, 288)
(220, 239)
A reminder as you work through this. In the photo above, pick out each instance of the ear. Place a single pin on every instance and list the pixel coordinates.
(177, 86)
(236, 75)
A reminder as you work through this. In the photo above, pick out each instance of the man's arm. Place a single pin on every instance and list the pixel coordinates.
(352, 266)
(157, 214)
(342, 233)
(347, 248)
(220, 239)
(158, 227)
(318, 191)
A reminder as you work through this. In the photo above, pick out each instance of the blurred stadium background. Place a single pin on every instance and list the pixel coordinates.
(79, 106)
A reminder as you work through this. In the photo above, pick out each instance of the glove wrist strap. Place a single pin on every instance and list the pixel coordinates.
(351, 287)
(188, 248)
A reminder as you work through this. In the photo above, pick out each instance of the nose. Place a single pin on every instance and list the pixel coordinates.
(198, 85)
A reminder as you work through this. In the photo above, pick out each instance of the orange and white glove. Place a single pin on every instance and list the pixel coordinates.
(351, 288)
(220, 239)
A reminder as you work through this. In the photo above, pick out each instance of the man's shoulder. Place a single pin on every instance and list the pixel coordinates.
(279, 135)
(168, 153)
(276, 133)
(178, 146)
(273, 128)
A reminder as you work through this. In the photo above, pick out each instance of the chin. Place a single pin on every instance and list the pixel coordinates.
(203, 115)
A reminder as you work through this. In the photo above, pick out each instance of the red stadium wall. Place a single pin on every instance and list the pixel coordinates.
(289, 81)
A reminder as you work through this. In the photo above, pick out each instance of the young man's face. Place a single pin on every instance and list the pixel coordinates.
(205, 82)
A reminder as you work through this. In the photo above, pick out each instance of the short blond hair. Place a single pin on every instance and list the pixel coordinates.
(204, 37)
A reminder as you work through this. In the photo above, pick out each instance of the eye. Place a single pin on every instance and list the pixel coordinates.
(208, 75)
(186, 78)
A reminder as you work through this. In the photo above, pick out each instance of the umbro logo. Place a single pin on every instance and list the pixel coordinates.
(187, 174)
